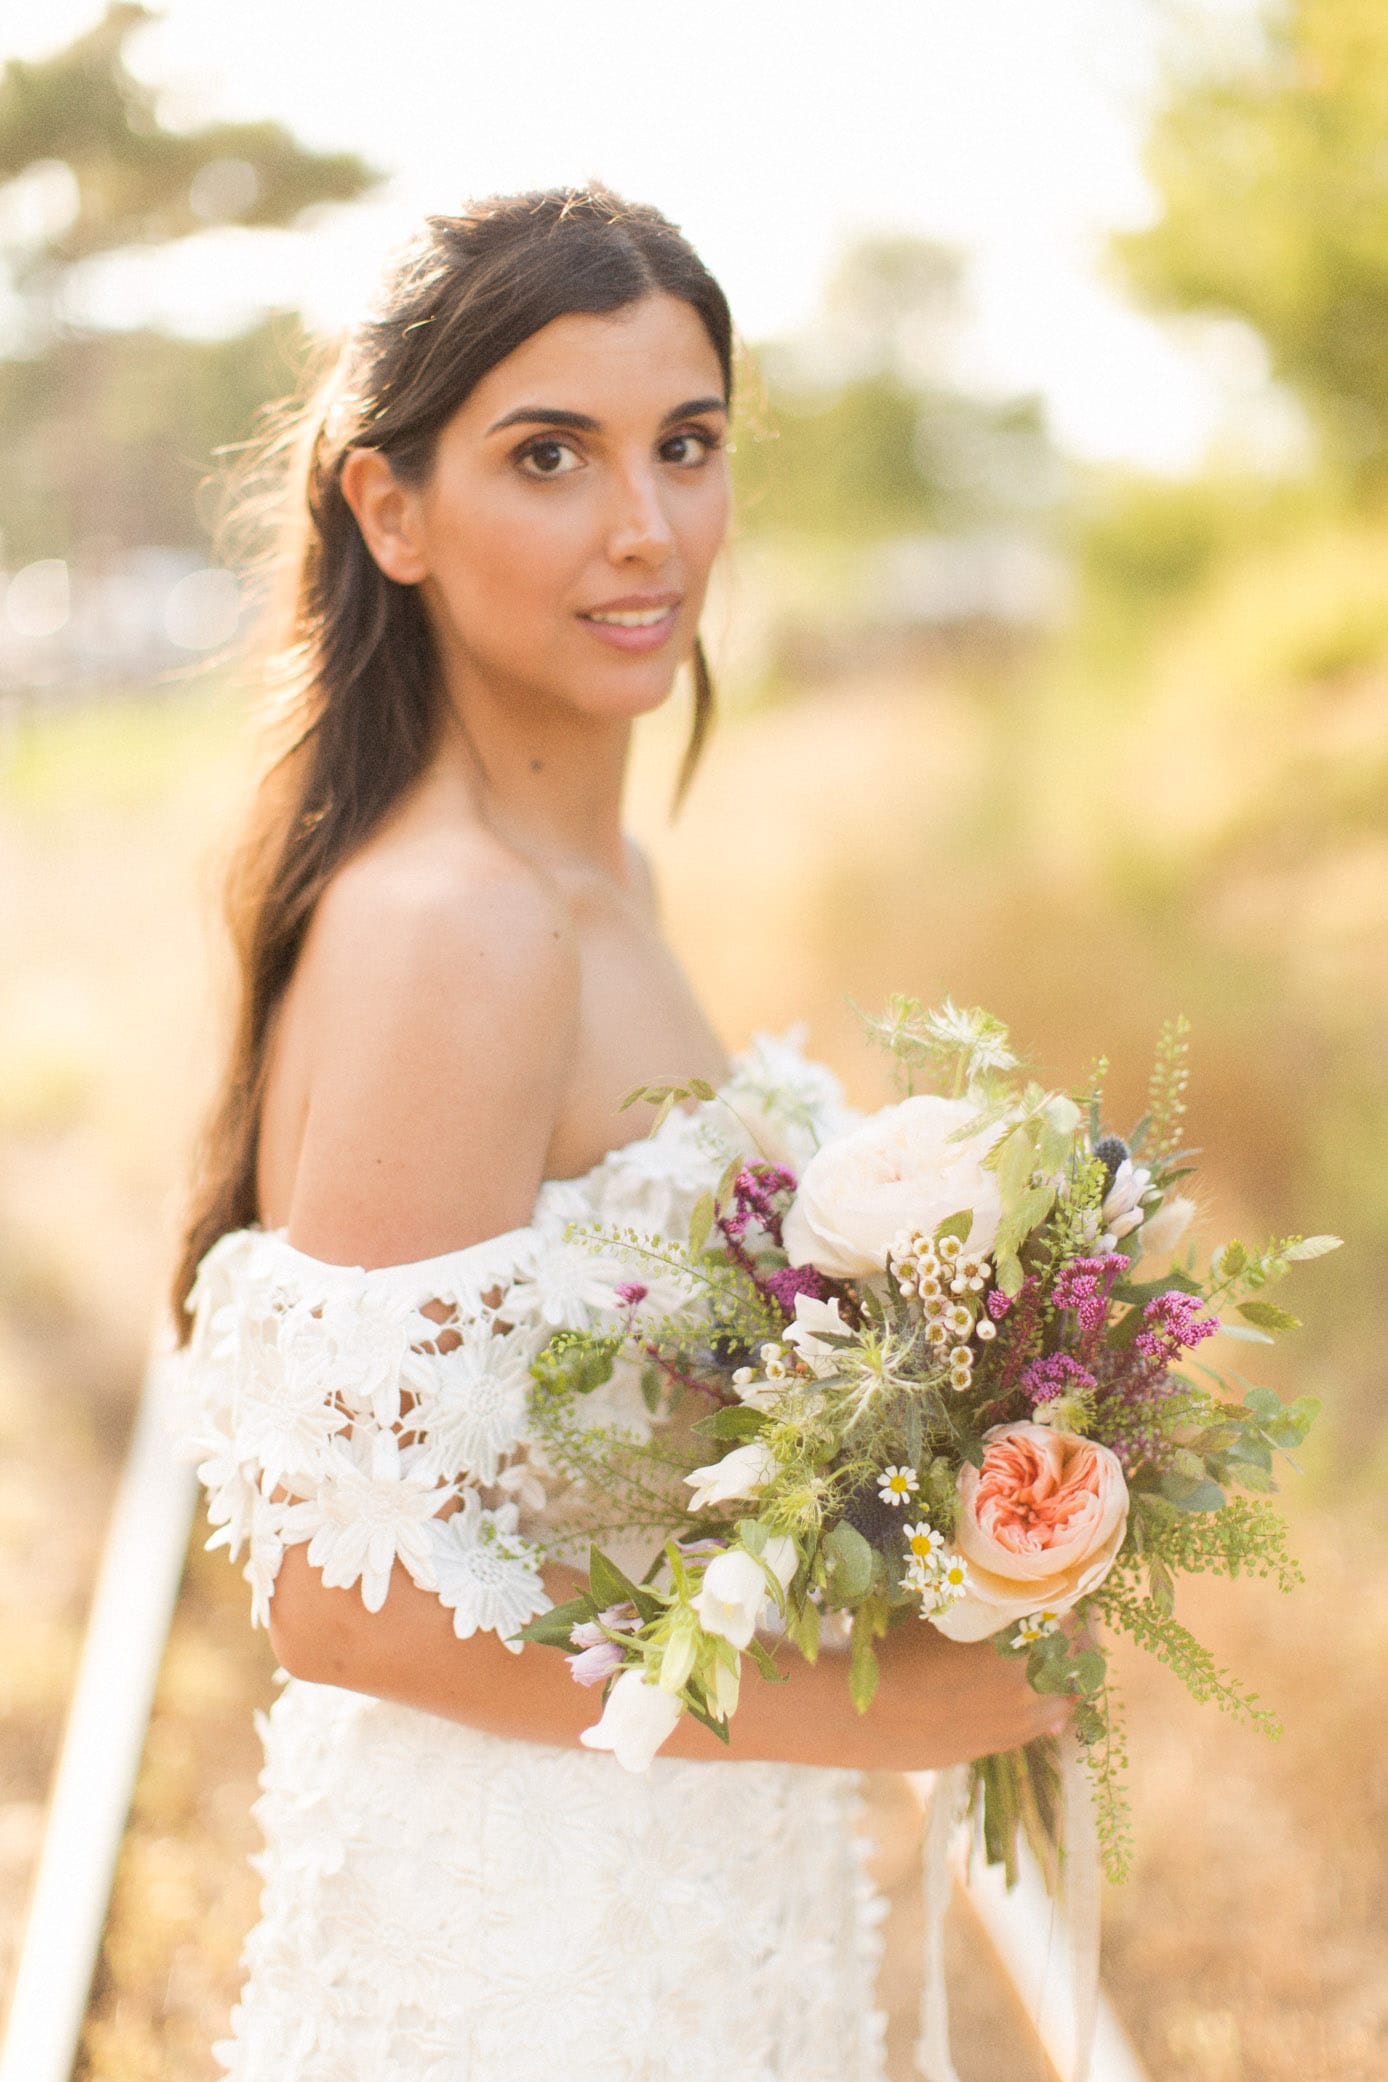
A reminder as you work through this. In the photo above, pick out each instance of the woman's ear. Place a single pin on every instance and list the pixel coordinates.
(387, 512)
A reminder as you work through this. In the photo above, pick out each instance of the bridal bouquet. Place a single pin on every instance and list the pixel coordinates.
(952, 1374)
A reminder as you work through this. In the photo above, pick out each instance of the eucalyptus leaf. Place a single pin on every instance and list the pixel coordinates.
(738, 1420)
(1089, 1670)
(1187, 1495)
(848, 1559)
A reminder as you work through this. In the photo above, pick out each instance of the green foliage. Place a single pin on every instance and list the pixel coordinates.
(1166, 1093)
(966, 1049)
(1172, 1644)
(863, 434)
(109, 436)
(137, 179)
(1274, 209)
(1247, 1537)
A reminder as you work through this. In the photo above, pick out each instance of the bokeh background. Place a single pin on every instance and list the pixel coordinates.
(1053, 651)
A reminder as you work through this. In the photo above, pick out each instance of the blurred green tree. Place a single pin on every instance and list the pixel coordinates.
(1271, 167)
(108, 433)
(865, 434)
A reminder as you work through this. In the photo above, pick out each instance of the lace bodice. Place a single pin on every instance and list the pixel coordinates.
(381, 1416)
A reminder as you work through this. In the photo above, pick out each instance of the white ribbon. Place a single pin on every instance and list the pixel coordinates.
(947, 1792)
(1068, 1932)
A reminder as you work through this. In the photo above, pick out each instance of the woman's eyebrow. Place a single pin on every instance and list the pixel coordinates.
(584, 423)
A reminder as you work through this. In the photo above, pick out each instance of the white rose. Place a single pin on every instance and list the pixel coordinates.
(899, 1170)
(637, 1718)
(738, 1474)
(1162, 1231)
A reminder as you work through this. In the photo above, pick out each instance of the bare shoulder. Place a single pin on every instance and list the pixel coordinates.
(438, 998)
(643, 878)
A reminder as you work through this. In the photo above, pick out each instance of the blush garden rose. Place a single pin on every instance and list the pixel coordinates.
(1039, 1525)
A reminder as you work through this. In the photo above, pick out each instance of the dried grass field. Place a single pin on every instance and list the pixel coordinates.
(891, 833)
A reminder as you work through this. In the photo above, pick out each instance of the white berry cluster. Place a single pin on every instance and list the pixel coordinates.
(938, 1578)
(777, 1365)
(945, 1282)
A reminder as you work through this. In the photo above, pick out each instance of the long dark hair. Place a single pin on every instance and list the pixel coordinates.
(362, 695)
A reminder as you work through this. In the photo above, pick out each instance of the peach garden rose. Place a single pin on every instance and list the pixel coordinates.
(1039, 1526)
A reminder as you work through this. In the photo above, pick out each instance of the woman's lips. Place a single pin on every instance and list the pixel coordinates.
(633, 628)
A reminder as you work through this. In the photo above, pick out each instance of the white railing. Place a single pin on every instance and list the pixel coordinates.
(136, 1591)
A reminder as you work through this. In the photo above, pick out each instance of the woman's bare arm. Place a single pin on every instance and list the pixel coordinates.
(938, 1701)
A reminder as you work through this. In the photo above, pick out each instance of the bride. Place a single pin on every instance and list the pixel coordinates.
(501, 526)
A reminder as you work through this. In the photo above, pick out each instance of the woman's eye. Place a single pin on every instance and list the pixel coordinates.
(549, 459)
(688, 449)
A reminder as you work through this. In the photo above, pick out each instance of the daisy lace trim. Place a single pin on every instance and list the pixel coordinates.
(381, 1417)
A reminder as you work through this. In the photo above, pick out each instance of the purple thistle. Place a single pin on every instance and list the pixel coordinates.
(1045, 1379)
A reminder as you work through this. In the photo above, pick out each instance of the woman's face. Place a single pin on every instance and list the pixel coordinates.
(564, 537)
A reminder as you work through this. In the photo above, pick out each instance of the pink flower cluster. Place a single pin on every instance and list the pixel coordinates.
(1175, 1325)
(756, 1190)
(1045, 1379)
(1085, 1285)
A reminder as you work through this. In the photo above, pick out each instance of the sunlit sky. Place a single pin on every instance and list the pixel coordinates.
(773, 130)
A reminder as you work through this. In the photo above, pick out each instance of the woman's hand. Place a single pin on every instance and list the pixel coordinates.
(946, 1702)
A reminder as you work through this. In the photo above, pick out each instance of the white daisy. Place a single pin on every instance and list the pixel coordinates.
(474, 1414)
(570, 1285)
(485, 1571)
(371, 1508)
(896, 1485)
(1035, 1627)
(286, 1416)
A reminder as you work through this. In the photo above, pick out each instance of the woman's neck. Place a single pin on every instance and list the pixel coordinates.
(548, 780)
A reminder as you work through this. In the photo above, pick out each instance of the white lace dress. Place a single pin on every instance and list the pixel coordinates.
(445, 1905)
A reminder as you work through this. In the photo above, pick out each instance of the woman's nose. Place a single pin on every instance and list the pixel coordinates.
(640, 529)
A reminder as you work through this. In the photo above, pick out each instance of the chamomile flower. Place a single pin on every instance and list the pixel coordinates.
(922, 1540)
(1035, 1627)
(897, 1485)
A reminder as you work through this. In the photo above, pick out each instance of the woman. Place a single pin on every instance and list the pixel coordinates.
(452, 973)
